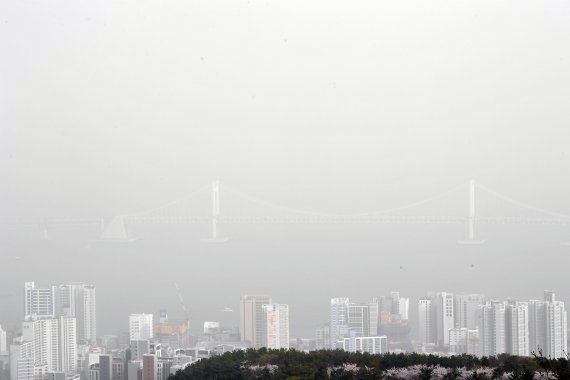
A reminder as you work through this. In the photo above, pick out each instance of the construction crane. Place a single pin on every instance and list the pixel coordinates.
(182, 303)
(186, 316)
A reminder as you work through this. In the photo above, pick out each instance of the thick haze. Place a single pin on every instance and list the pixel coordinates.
(110, 107)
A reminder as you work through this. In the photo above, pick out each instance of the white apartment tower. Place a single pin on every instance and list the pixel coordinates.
(373, 316)
(467, 310)
(44, 336)
(464, 341)
(24, 369)
(38, 302)
(67, 345)
(548, 331)
(404, 308)
(140, 326)
(338, 318)
(556, 329)
(79, 300)
(426, 328)
(359, 319)
(3, 348)
(492, 335)
(399, 305)
(253, 320)
(445, 316)
(516, 328)
(277, 325)
(537, 326)
(323, 337)
(19, 350)
(52, 343)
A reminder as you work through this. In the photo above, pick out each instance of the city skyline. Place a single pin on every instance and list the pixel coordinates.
(186, 179)
(56, 296)
(51, 341)
(457, 310)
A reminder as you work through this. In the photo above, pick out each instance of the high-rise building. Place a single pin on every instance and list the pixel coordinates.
(24, 369)
(67, 345)
(105, 367)
(19, 350)
(444, 316)
(323, 337)
(384, 304)
(404, 308)
(44, 336)
(88, 325)
(549, 296)
(397, 305)
(277, 325)
(139, 348)
(41, 372)
(164, 366)
(392, 322)
(150, 367)
(516, 328)
(79, 300)
(426, 326)
(3, 347)
(140, 326)
(537, 326)
(467, 310)
(374, 316)
(556, 329)
(464, 341)
(253, 320)
(359, 318)
(548, 326)
(338, 319)
(492, 335)
(38, 302)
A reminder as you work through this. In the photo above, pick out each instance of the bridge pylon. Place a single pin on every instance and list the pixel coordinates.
(471, 218)
(45, 233)
(115, 231)
(215, 215)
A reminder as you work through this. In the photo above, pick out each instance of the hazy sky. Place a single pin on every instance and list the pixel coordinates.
(110, 106)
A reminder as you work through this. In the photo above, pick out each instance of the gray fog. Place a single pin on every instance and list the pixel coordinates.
(330, 107)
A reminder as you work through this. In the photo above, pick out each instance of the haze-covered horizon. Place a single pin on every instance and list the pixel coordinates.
(114, 107)
(330, 107)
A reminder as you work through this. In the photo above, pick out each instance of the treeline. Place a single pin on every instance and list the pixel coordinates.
(337, 364)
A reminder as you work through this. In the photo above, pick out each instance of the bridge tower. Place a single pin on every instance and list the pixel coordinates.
(116, 231)
(215, 215)
(45, 233)
(471, 218)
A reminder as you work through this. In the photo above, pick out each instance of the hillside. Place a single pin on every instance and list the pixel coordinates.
(335, 364)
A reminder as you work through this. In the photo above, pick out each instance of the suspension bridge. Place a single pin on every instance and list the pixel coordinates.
(117, 228)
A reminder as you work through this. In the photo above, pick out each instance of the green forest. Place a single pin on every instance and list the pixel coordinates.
(337, 364)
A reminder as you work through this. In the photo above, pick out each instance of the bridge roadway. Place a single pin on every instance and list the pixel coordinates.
(305, 219)
(372, 219)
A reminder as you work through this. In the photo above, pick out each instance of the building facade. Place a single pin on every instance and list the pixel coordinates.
(253, 320)
(141, 327)
(277, 325)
